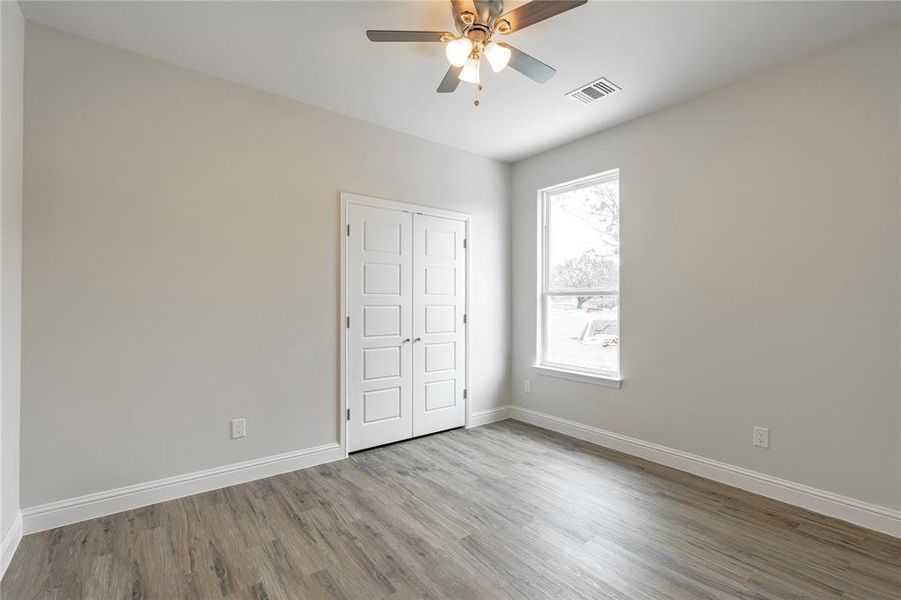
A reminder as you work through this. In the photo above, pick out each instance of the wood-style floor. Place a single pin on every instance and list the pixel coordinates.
(501, 511)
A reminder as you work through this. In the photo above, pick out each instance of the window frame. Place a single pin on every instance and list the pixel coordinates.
(543, 366)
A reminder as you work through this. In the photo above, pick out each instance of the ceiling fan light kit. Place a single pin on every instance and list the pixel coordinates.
(477, 21)
(498, 56)
(458, 51)
(470, 72)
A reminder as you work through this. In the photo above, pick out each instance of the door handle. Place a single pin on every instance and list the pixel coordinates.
(406, 341)
(419, 339)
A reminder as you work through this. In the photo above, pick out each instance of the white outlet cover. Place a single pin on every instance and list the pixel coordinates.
(239, 429)
(761, 437)
(527, 386)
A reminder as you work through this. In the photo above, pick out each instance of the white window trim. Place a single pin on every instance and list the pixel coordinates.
(610, 380)
(542, 367)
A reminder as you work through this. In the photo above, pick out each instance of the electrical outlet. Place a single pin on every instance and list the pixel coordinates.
(238, 428)
(761, 437)
(527, 386)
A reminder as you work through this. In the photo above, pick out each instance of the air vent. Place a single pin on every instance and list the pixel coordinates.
(597, 89)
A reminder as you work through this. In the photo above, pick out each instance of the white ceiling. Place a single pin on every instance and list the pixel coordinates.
(317, 52)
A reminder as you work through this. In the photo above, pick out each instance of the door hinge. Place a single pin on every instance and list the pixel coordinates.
(464, 242)
(348, 414)
(464, 393)
(464, 318)
(348, 230)
(347, 322)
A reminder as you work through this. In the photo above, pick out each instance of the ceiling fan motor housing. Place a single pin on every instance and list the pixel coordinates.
(478, 33)
(487, 12)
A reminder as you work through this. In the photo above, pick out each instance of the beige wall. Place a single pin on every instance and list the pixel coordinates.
(181, 260)
(181, 269)
(760, 283)
(12, 49)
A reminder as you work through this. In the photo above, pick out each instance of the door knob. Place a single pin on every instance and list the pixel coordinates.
(406, 341)
(419, 339)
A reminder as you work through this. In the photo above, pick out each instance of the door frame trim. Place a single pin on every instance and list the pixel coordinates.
(348, 198)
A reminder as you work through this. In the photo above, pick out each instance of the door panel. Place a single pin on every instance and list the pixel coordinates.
(439, 303)
(379, 303)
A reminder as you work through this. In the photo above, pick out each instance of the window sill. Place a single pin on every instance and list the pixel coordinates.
(610, 381)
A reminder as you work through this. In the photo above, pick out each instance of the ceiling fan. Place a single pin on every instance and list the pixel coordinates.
(477, 22)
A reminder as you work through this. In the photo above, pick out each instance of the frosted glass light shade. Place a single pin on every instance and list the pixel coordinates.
(497, 56)
(458, 50)
(470, 72)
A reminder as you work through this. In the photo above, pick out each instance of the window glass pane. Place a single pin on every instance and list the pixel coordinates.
(583, 238)
(583, 332)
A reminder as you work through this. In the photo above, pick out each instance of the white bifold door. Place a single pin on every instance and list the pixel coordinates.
(406, 334)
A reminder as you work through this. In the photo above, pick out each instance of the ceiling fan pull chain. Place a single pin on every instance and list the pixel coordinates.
(478, 89)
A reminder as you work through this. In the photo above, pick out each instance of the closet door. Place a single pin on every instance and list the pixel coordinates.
(439, 302)
(379, 308)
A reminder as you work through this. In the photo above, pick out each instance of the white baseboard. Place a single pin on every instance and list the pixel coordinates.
(871, 516)
(74, 510)
(91, 506)
(9, 542)
(483, 417)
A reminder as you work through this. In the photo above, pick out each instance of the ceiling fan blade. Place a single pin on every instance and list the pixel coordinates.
(536, 11)
(380, 35)
(451, 80)
(529, 66)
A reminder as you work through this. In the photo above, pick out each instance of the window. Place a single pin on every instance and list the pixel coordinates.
(579, 277)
